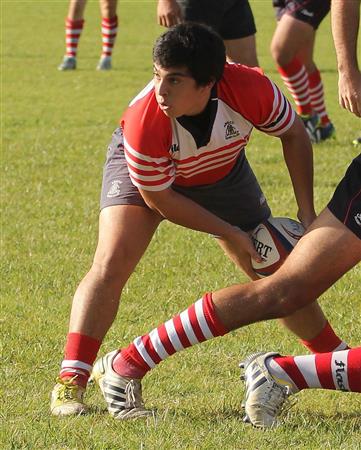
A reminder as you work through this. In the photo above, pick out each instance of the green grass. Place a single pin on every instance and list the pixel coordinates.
(55, 130)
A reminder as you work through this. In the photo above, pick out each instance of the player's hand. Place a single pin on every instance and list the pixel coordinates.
(168, 13)
(349, 91)
(240, 248)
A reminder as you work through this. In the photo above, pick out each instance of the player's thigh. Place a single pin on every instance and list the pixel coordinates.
(242, 50)
(290, 37)
(322, 256)
(125, 232)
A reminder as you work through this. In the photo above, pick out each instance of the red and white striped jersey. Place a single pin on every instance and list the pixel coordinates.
(160, 151)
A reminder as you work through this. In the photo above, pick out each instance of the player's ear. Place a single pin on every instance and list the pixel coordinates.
(209, 85)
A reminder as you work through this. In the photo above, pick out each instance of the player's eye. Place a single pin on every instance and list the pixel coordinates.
(156, 75)
(174, 80)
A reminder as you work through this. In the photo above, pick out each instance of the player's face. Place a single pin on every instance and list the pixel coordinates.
(177, 93)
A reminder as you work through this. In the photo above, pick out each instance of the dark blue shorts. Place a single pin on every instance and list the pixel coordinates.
(308, 11)
(346, 201)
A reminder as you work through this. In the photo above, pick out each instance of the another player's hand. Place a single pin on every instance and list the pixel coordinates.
(168, 13)
(240, 248)
(349, 91)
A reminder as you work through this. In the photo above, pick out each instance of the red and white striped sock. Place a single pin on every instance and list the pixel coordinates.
(196, 324)
(336, 370)
(325, 341)
(73, 29)
(109, 34)
(295, 77)
(79, 356)
(318, 96)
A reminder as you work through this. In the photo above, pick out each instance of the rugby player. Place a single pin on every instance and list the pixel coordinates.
(179, 154)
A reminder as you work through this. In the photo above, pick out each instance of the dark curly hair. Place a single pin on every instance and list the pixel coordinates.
(195, 46)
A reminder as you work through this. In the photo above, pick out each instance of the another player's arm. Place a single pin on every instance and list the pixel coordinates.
(297, 151)
(180, 210)
(345, 26)
(169, 13)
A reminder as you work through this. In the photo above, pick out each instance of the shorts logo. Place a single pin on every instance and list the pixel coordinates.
(114, 190)
(307, 13)
(231, 130)
(358, 219)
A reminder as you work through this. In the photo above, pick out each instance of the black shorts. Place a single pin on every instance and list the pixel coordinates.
(237, 198)
(308, 11)
(346, 201)
(232, 19)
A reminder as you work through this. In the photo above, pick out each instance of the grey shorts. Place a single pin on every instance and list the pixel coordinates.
(237, 198)
(232, 19)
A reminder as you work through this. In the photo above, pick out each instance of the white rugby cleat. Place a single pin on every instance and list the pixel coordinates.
(265, 397)
(67, 399)
(68, 63)
(105, 63)
(122, 395)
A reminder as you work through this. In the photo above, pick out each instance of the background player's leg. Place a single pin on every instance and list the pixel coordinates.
(290, 38)
(242, 51)
(73, 27)
(317, 94)
(108, 10)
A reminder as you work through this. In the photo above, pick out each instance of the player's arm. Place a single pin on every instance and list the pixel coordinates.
(345, 26)
(297, 151)
(168, 13)
(180, 210)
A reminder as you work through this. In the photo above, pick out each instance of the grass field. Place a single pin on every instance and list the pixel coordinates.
(55, 130)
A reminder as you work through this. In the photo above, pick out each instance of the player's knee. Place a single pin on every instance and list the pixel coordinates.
(110, 265)
(280, 56)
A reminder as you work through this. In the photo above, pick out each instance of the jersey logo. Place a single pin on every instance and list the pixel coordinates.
(231, 130)
(358, 219)
(174, 148)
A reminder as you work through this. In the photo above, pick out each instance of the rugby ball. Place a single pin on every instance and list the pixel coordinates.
(274, 240)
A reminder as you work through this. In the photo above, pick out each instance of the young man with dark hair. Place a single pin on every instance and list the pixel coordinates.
(179, 155)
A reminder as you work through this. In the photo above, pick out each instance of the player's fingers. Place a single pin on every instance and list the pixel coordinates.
(252, 251)
(161, 21)
(341, 102)
(357, 107)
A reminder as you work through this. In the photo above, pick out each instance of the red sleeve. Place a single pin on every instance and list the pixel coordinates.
(249, 92)
(147, 139)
